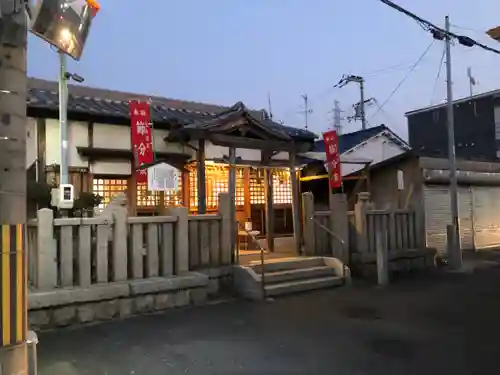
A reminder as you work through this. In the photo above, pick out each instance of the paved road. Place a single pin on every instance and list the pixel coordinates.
(433, 326)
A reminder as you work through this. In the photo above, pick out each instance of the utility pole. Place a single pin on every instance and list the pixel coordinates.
(13, 94)
(337, 117)
(307, 111)
(361, 81)
(454, 251)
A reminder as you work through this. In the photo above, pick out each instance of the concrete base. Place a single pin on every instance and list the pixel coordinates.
(219, 280)
(14, 360)
(365, 265)
(73, 306)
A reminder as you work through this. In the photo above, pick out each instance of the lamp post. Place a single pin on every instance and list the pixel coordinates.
(65, 25)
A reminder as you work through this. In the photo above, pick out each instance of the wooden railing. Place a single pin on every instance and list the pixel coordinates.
(399, 226)
(358, 229)
(205, 240)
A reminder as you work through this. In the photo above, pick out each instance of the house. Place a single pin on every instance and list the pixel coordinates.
(477, 128)
(195, 138)
(358, 150)
(410, 180)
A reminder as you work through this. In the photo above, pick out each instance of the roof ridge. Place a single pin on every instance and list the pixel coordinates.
(107, 94)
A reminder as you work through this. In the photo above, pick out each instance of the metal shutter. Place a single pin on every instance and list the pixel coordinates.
(437, 216)
(486, 209)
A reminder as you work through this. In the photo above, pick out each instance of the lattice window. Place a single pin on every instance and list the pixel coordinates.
(193, 187)
(240, 187)
(147, 198)
(257, 190)
(107, 188)
(217, 181)
(174, 198)
(282, 187)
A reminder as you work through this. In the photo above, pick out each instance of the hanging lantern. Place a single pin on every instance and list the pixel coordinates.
(65, 24)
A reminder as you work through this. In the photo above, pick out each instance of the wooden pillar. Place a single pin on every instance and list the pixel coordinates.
(132, 194)
(269, 213)
(162, 209)
(246, 187)
(202, 193)
(186, 190)
(295, 203)
(232, 192)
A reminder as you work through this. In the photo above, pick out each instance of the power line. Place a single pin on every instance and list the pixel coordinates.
(438, 74)
(438, 32)
(404, 79)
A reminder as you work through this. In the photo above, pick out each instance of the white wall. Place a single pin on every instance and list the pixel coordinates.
(31, 143)
(77, 136)
(377, 149)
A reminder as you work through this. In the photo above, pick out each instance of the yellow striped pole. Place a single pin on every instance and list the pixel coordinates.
(13, 277)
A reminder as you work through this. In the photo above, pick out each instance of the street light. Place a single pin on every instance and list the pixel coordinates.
(64, 24)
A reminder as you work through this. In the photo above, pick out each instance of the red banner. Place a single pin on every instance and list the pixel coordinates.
(332, 151)
(142, 140)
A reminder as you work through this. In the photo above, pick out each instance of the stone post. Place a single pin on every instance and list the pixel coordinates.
(181, 250)
(339, 224)
(46, 252)
(226, 227)
(308, 223)
(382, 258)
(120, 253)
(360, 220)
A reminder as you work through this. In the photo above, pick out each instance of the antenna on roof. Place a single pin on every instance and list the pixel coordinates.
(307, 111)
(269, 105)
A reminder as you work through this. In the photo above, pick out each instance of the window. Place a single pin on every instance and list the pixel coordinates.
(257, 188)
(107, 188)
(146, 198)
(240, 187)
(497, 122)
(217, 181)
(282, 188)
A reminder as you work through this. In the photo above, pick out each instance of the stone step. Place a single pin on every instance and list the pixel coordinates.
(287, 264)
(298, 274)
(303, 285)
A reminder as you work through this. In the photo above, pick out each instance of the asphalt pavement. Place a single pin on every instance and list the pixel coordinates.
(439, 324)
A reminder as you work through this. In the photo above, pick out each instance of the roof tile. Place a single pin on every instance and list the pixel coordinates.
(81, 99)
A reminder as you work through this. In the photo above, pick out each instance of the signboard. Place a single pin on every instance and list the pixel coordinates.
(142, 139)
(332, 151)
(64, 23)
(163, 177)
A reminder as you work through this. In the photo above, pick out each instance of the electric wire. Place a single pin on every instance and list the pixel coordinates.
(404, 79)
(440, 68)
(433, 28)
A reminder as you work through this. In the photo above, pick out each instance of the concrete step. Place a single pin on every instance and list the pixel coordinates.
(303, 285)
(298, 274)
(287, 264)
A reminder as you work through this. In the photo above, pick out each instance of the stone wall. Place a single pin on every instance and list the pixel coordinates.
(73, 306)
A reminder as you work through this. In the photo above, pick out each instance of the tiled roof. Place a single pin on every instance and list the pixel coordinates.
(43, 94)
(350, 140)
